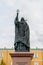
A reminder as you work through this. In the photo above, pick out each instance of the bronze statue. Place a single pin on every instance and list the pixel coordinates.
(22, 35)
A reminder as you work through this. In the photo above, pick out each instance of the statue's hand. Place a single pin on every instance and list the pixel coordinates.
(16, 19)
(17, 10)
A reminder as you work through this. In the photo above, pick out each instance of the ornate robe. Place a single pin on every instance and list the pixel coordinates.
(22, 33)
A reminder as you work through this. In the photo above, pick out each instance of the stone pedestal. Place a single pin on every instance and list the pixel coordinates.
(21, 58)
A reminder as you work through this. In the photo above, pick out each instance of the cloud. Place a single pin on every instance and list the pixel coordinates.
(9, 2)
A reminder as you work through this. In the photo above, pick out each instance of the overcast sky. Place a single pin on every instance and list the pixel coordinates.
(32, 10)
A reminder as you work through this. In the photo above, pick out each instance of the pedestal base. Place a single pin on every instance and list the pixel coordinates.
(21, 58)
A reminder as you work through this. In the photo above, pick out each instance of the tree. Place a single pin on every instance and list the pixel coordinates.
(2, 62)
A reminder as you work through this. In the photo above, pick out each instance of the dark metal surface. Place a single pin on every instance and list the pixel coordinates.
(22, 35)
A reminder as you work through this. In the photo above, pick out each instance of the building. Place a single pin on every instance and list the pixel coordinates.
(5, 56)
(37, 58)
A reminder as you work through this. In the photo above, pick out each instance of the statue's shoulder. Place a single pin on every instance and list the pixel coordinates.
(26, 24)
